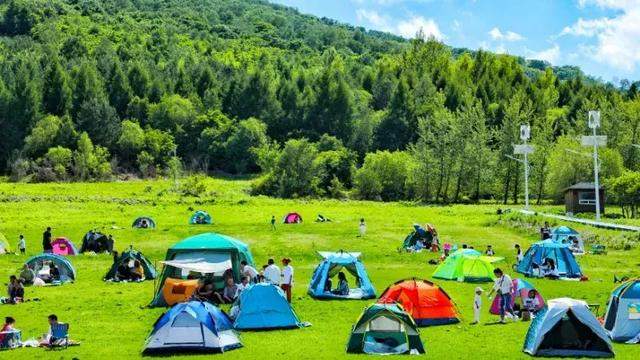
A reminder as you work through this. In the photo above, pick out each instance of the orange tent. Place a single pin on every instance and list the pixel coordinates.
(425, 301)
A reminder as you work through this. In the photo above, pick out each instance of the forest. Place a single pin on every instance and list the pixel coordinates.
(112, 89)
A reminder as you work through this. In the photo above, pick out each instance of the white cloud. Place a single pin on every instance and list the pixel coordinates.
(617, 38)
(409, 28)
(496, 34)
(551, 54)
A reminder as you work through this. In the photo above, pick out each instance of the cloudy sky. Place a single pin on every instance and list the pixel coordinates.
(600, 36)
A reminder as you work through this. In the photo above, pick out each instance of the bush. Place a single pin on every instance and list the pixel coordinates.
(194, 185)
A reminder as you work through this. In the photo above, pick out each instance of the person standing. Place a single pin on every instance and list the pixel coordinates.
(477, 305)
(249, 271)
(545, 231)
(273, 222)
(272, 273)
(362, 228)
(22, 244)
(46, 241)
(503, 286)
(287, 278)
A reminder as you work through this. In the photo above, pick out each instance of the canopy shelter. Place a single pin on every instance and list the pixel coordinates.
(467, 265)
(419, 234)
(622, 318)
(334, 262)
(567, 328)
(520, 292)
(263, 306)
(128, 258)
(562, 257)
(207, 254)
(570, 237)
(64, 246)
(427, 303)
(192, 326)
(385, 329)
(42, 264)
(200, 217)
(96, 242)
(144, 222)
(292, 218)
(4, 244)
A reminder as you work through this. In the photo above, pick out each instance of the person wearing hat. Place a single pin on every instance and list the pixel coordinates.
(477, 304)
(287, 278)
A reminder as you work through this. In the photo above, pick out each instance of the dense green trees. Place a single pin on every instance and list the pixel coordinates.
(89, 89)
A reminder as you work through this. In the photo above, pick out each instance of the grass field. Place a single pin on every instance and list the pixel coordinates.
(109, 319)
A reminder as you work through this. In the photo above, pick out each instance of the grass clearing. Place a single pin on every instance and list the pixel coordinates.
(109, 320)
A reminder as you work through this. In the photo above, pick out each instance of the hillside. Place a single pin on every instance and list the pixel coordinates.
(93, 89)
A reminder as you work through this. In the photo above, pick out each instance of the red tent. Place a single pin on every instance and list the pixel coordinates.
(427, 303)
(63, 246)
(292, 218)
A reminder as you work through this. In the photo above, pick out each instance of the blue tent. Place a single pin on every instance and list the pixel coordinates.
(263, 307)
(200, 217)
(567, 328)
(622, 318)
(559, 253)
(192, 326)
(567, 235)
(334, 262)
(41, 263)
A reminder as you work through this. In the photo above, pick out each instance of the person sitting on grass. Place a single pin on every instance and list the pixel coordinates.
(489, 251)
(550, 270)
(328, 285)
(123, 272)
(137, 272)
(531, 302)
(205, 291)
(244, 283)
(15, 290)
(49, 339)
(343, 285)
(27, 275)
(229, 292)
(54, 273)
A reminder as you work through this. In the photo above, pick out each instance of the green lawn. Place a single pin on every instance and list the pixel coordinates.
(110, 321)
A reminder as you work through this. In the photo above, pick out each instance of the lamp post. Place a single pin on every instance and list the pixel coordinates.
(595, 141)
(524, 149)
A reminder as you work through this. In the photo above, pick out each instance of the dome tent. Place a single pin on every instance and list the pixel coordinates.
(192, 326)
(208, 253)
(40, 264)
(426, 302)
(385, 329)
(622, 318)
(564, 260)
(467, 265)
(519, 291)
(567, 328)
(96, 242)
(292, 218)
(63, 246)
(200, 217)
(144, 222)
(330, 266)
(264, 307)
(131, 255)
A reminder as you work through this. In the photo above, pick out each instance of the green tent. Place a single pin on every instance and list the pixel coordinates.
(149, 269)
(467, 265)
(208, 253)
(385, 329)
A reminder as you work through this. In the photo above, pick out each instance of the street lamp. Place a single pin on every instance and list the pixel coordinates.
(524, 149)
(595, 141)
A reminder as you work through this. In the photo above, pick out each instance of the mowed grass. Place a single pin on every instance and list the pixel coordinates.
(110, 319)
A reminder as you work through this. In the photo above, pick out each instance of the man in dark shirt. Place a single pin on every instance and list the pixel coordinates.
(46, 241)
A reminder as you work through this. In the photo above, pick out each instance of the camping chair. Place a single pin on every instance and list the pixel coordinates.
(598, 250)
(60, 334)
(10, 339)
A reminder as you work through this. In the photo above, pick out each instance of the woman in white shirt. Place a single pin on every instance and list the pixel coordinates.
(287, 278)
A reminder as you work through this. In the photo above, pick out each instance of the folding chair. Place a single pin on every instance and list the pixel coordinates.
(10, 339)
(60, 335)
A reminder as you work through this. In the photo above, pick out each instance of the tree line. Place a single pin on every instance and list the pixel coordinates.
(92, 89)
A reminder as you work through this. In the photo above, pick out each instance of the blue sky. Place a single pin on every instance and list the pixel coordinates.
(600, 36)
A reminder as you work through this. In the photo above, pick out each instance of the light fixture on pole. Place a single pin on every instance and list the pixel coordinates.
(524, 149)
(595, 140)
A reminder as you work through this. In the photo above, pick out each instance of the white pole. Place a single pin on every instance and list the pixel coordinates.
(595, 172)
(526, 179)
